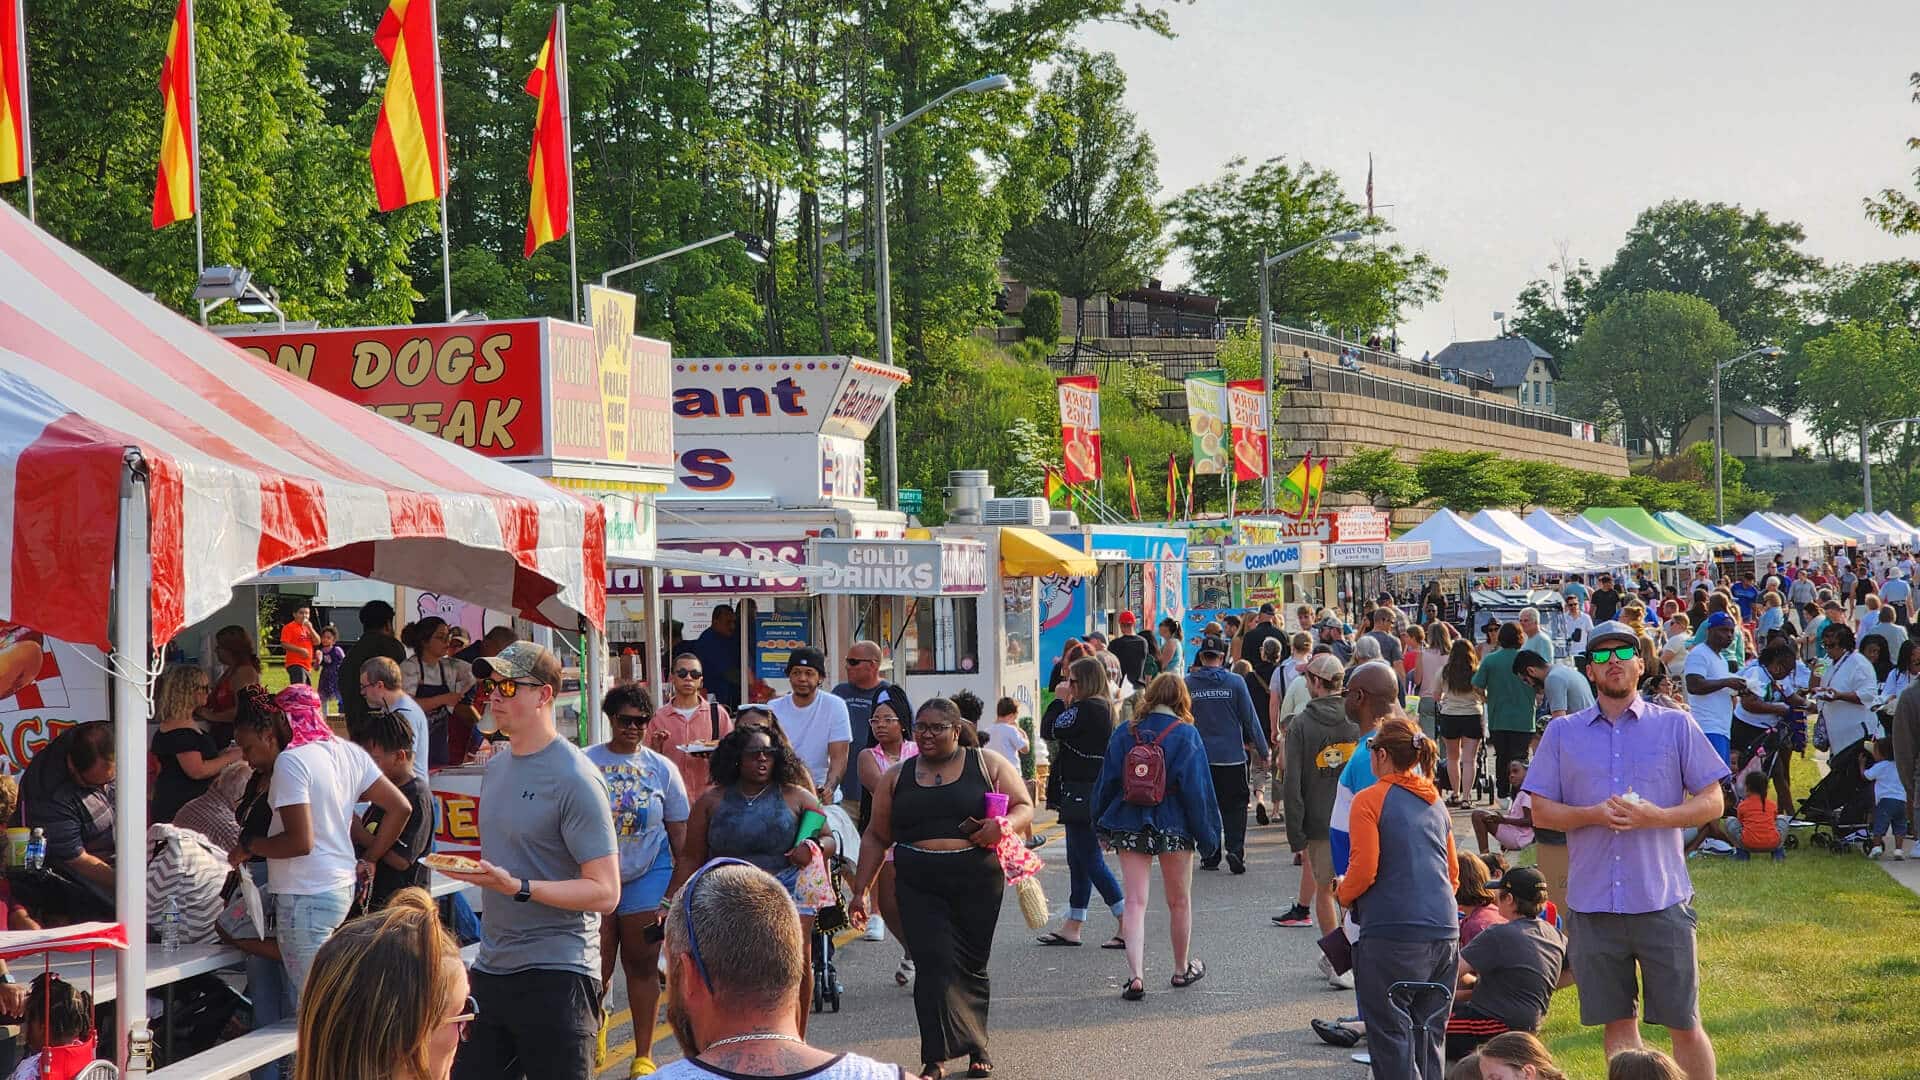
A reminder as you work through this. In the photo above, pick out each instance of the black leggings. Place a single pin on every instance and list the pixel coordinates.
(950, 903)
(1508, 747)
(1230, 791)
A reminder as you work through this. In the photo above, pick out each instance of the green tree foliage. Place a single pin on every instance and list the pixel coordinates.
(1097, 229)
(1894, 210)
(1225, 224)
(1693, 467)
(1646, 360)
(1380, 475)
(1861, 373)
(1467, 481)
(1548, 484)
(1551, 314)
(1041, 317)
(1653, 495)
(284, 191)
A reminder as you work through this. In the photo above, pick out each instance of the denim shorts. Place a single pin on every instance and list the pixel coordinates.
(643, 893)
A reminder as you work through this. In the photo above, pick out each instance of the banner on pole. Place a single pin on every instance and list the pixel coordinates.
(1207, 420)
(1080, 428)
(1247, 408)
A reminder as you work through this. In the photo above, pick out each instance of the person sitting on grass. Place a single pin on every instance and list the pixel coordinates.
(1643, 1064)
(1889, 801)
(1513, 829)
(1509, 972)
(1479, 908)
(1756, 823)
(1517, 1055)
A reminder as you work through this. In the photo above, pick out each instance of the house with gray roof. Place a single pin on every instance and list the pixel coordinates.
(1747, 431)
(1518, 368)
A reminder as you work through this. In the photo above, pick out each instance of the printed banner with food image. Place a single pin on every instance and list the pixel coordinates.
(1247, 406)
(1080, 428)
(1207, 420)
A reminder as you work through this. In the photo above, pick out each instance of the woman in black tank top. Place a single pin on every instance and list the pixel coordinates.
(929, 811)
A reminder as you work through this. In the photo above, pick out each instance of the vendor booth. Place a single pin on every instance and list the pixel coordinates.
(1543, 553)
(1793, 543)
(1142, 569)
(1601, 550)
(154, 468)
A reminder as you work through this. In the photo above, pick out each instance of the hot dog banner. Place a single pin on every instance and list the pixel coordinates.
(49, 686)
(1247, 408)
(1207, 419)
(1080, 428)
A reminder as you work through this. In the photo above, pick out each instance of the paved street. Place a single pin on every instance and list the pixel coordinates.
(1057, 1011)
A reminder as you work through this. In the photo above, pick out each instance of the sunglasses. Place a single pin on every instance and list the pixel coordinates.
(766, 752)
(468, 1015)
(687, 673)
(631, 720)
(506, 688)
(852, 660)
(1602, 656)
(685, 903)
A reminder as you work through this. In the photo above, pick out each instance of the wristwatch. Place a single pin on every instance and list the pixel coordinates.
(526, 891)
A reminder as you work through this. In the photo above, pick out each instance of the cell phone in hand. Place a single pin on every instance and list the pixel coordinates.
(971, 826)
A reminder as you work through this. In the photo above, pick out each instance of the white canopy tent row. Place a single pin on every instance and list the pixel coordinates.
(146, 468)
(1543, 553)
(1876, 531)
(1656, 552)
(1761, 547)
(1638, 548)
(1459, 545)
(1907, 533)
(1832, 540)
(1832, 524)
(1794, 544)
(1603, 550)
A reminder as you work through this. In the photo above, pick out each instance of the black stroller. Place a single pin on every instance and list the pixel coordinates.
(1841, 804)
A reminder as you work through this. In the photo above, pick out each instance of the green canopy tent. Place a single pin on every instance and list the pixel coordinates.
(1640, 523)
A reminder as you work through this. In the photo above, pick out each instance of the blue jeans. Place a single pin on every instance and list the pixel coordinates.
(1889, 813)
(268, 988)
(1087, 870)
(305, 924)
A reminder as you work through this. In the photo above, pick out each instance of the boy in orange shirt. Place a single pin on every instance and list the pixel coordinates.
(298, 639)
(1759, 826)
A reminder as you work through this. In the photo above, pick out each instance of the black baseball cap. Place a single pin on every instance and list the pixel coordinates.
(1524, 883)
(1213, 645)
(1266, 609)
(808, 657)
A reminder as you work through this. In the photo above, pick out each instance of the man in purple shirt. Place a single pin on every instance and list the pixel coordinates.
(1622, 780)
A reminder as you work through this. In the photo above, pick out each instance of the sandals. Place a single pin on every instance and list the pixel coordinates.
(1134, 990)
(1194, 973)
(1336, 1034)
(978, 1067)
(933, 1070)
(1115, 942)
(903, 974)
(1054, 937)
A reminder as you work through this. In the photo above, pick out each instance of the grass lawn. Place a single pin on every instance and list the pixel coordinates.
(1809, 969)
(273, 675)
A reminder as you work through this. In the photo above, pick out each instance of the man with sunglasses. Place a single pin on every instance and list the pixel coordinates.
(550, 865)
(1624, 779)
(736, 963)
(688, 717)
(863, 687)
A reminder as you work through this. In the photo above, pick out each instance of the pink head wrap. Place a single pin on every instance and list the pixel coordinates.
(305, 714)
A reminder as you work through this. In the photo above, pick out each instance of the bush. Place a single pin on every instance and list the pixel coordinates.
(1041, 317)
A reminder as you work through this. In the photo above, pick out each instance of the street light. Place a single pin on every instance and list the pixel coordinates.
(223, 283)
(1719, 506)
(1866, 470)
(756, 251)
(890, 471)
(1266, 336)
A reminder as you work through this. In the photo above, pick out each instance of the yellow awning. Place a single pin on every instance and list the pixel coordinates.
(1026, 553)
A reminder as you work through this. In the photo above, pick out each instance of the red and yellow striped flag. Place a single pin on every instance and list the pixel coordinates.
(13, 91)
(173, 187)
(408, 147)
(550, 212)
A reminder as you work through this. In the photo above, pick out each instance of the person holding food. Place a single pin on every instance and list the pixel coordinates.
(687, 728)
(650, 822)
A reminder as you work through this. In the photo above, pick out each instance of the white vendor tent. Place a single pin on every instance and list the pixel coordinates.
(1906, 533)
(1760, 547)
(1603, 550)
(1458, 545)
(1839, 528)
(147, 467)
(1542, 552)
(1793, 543)
(1875, 530)
(1832, 539)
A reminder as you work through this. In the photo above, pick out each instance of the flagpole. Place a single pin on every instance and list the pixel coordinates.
(566, 127)
(446, 185)
(193, 113)
(26, 111)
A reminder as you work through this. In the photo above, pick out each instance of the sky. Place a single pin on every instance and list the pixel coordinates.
(1501, 131)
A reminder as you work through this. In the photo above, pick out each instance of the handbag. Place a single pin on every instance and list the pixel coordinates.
(1076, 802)
(825, 891)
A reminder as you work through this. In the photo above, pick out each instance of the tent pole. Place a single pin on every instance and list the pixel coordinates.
(657, 662)
(593, 677)
(131, 586)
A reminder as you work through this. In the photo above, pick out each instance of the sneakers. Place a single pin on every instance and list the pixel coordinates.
(1334, 979)
(1297, 915)
(1035, 842)
(876, 929)
(1899, 855)
(1781, 856)
(1236, 864)
(1875, 853)
(1260, 814)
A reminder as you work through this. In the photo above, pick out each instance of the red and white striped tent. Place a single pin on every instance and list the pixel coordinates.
(147, 467)
(247, 468)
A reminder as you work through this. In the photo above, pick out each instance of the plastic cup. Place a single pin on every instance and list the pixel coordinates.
(996, 805)
(17, 847)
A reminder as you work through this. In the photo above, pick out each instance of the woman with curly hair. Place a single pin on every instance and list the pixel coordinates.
(760, 794)
(189, 757)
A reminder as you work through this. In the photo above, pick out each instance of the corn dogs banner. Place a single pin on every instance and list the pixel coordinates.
(1247, 407)
(1080, 428)
(1207, 420)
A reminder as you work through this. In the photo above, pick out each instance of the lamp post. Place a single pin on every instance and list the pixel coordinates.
(883, 285)
(756, 250)
(1266, 338)
(1719, 505)
(1866, 469)
(220, 284)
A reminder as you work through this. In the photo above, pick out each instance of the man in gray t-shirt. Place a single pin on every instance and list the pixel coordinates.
(551, 869)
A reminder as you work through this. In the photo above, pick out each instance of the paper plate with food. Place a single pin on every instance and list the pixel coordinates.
(699, 746)
(451, 864)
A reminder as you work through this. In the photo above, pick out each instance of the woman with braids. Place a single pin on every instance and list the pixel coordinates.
(308, 844)
(753, 811)
(930, 811)
(1399, 885)
(387, 998)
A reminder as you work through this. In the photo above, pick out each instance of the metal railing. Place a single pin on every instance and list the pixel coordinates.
(1124, 324)
(1333, 379)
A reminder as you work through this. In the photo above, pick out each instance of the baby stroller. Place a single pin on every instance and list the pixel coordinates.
(842, 868)
(1770, 752)
(1840, 805)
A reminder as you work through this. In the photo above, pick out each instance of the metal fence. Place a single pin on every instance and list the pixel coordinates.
(1333, 379)
(1125, 324)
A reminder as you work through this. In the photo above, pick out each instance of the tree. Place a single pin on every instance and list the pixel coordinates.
(1547, 484)
(1225, 224)
(1859, 374)
(1693, 468)
(1380, 475)
(1743, 263)
(1654, 495)
(1647, 360)
(1041, 317)
(1551, 315)
(1097, 229)
(1466, 481)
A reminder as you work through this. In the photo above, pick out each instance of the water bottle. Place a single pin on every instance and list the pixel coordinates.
(37, 850)
(170, 931)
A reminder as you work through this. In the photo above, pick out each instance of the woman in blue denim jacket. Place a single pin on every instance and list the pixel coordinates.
(1185, 821)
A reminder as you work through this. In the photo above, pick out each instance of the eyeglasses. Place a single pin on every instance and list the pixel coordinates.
(1602, 656)
(506, 688)
(685, 902)
(468, 1014)
(687, 673)
(631, 720)
(932, 727)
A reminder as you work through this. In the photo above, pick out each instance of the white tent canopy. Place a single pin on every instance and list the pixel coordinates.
(1831, 539)
(1604, 550)
(1792, 542)
(1874, 529)
(1542, 552)
(1906, 533)
(1638, 549)
(1760, 546)
(1458, 545)
(1844, 531)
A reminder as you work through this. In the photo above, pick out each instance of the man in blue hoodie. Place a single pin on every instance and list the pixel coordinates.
(1223, 713)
